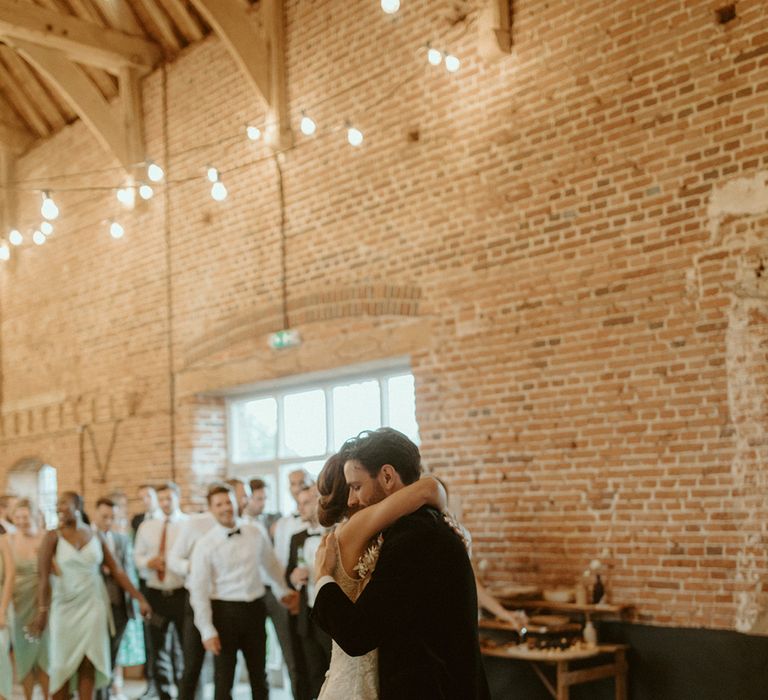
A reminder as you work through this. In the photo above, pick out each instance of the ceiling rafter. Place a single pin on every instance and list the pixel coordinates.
(22, 103)
(184, 20)
(14, 139)
(162, 22)
(118, 131)
(260, 55)
(119, 15)
(37, 91)
(82, 41)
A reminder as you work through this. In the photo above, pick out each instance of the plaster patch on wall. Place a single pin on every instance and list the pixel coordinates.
(739, 197)
(746, 341)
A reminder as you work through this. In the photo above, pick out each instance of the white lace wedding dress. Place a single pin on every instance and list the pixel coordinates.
(352, 677)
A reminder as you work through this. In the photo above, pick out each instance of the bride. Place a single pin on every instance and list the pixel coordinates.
(358, 540)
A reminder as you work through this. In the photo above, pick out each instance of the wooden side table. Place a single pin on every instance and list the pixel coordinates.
(565, 677)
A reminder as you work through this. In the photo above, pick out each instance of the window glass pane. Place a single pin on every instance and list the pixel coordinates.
(356, 407)
(254, 430)
(402, 406)
(47, 493)
(304, 428)
(287, 504)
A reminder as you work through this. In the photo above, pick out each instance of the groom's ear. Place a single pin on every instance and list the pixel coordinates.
(390, 479)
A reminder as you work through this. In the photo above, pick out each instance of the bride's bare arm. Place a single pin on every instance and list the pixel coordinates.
(362, 526)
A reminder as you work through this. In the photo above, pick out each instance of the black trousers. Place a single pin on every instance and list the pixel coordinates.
(316, 645)
(194, 654)
(240, 627)
(167, 608)
(289, 644)
(120, 617)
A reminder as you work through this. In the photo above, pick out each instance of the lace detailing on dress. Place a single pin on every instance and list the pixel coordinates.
(353, 677)
(367, 563)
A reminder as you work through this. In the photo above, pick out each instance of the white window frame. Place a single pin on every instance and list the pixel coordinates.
(274, 469)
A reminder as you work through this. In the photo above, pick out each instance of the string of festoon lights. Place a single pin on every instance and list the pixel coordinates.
(155, 177)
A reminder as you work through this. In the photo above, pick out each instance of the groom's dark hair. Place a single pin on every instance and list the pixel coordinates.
(375, 448)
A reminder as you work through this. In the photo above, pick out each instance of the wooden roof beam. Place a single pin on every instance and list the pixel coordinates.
(118, 131)
(260, 55)
(84, 42)
(15, 140)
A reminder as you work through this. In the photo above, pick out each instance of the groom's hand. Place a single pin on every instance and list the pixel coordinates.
(325, 559)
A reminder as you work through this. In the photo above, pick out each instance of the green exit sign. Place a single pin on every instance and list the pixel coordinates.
(284, 339)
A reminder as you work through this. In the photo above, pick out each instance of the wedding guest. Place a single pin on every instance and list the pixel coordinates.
(72, 587)
(120, 602)
(7, 574)
(179, 560)
(229, 565)
(257, 503)
(148, 497)
(30, 654)
(282, 531)
(6, 505)
(165, 588)
(315, 643)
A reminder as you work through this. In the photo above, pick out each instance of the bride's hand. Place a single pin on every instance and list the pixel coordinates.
(325, 559)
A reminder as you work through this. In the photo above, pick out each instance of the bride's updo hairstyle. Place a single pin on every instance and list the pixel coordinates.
(334, 492)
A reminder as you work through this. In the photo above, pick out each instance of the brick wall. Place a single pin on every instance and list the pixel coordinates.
(568, 242)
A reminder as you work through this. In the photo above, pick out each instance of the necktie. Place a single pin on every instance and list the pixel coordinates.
(161, 551)
(234, 532)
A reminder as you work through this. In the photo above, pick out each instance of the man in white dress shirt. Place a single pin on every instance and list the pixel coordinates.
(229, 565)
(165, 588)
(179, 561)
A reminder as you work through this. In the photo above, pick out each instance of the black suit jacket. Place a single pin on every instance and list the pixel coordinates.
(302, 620)
(117, 596)
(419, 609)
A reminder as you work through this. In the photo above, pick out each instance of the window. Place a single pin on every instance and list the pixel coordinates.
(300, 425)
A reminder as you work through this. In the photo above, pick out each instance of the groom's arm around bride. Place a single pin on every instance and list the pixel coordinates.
(419, 610)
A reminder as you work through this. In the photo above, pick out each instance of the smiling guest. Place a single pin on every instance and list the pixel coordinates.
(229, 565)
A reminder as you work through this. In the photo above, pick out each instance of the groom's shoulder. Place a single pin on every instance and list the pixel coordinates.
(424, 521)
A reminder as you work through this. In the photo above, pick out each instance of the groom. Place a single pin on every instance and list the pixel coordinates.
(420, 607)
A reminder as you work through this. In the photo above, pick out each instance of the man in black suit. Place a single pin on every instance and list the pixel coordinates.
(122, 605)
(315, 644)
(420, 607)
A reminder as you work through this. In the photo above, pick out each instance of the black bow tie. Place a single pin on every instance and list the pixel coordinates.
(234, 532)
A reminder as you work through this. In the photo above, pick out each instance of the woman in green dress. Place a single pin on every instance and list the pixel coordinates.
(79, 606)
(30, 654)
(7, 573)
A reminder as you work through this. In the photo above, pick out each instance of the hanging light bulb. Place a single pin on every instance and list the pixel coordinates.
(145, 191)
(390, 6)
(15, 237)
(254, 133)
(5, 251)
(452, 64)
(155, 172)
(49, 210)
(126, 196)
(434, 56)
(38, 237)
(354, 135)
(46, 228)
(213, 175)
(116, 230)
(218, 191)
(308, 126)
